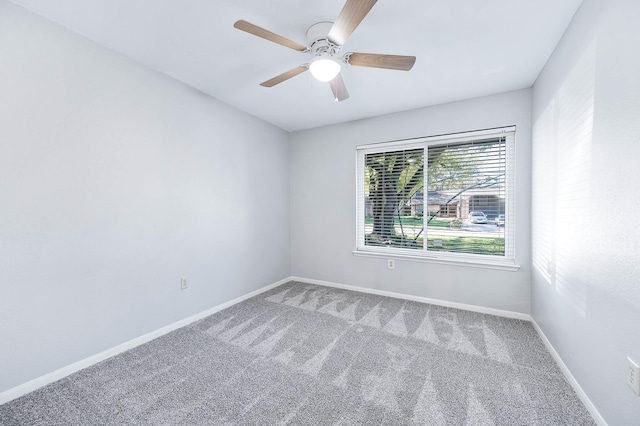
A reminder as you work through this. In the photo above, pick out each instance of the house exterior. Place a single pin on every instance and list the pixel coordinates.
(451, 205)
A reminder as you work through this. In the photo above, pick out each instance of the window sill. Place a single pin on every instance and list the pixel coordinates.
(506, 265)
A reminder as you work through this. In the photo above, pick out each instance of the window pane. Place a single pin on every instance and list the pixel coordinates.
(466, 197)
(444, 197)
(393, 199)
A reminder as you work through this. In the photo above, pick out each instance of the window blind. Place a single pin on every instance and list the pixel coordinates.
(447, 195)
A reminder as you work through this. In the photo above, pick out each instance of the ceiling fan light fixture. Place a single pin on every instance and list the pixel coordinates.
(324, 68)
(324, 43)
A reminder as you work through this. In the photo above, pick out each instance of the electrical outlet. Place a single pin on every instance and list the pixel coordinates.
(391, 264)
(183, 283)
(633, 377)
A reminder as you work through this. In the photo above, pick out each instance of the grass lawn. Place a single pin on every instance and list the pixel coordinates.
(451, 244)
(490, 246)
(437, 222)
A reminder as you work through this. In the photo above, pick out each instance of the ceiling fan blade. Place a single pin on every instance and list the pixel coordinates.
(390, 62)
(285, 76)
(350, 17)
(339, 89)
(268, 35)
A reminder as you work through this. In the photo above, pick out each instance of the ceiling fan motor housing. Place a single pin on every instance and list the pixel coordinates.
(318, 41)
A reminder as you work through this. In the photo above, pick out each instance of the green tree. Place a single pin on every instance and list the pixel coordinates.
(393, 178)
(450, 169)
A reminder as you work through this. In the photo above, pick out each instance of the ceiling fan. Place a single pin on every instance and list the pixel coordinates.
(325, 41)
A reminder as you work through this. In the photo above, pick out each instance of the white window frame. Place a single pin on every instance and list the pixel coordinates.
(506, 262)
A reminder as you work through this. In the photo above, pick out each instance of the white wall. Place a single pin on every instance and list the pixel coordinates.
(323, 185)
(586, 232)
(114, 182)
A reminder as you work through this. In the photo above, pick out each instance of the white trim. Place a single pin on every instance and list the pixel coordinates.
(41, 381)
(433, 258)
(597, 417)
(472, 308)
(505, 262)
(461, 137)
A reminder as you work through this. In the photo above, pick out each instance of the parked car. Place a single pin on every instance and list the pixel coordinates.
(477, 217)
(499, 220)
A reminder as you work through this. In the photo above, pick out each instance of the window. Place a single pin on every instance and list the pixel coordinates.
(446, 198)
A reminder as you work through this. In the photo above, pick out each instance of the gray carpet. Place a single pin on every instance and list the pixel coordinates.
(302, 354)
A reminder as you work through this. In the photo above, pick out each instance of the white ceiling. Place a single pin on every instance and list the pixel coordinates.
(464, 49)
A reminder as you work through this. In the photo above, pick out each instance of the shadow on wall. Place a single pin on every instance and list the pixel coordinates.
(562, 210)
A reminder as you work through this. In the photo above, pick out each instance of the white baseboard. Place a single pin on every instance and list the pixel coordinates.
(567, 374)
(473, 308)
(41, 381)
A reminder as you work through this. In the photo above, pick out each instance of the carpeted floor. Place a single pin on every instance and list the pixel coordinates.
(304, 354)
